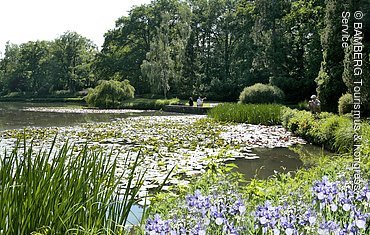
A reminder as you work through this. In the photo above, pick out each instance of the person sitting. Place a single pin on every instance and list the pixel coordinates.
(314, 105)
(191, 102)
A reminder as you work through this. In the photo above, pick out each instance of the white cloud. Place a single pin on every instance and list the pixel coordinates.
(29, 20)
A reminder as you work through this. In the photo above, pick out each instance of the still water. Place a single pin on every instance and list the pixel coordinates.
(15, 115)
(273, 160)
(23, 115)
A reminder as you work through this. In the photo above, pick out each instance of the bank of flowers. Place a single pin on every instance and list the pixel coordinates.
(331, 208)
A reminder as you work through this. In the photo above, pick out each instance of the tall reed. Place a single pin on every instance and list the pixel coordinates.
(64, 193)
(266, 114)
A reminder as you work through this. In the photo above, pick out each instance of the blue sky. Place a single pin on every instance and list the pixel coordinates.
(29, 20)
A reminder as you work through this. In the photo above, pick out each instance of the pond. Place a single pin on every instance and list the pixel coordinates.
(259, 151)
(189, 142)
(16, 115)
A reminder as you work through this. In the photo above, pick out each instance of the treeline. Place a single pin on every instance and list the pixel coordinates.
(212, 48)
(41, 68)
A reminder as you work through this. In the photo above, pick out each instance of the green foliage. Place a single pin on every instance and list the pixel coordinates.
(332, 131)
(110, 94)
(266, 114)
(41, 67)
(345, 104)
(330, 85)
(141, 103)
(261, 93)
(61, 192)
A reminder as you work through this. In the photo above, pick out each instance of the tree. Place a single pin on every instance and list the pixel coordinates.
(34, 63)
(159, 66)
(270, 44)
(330, 85)
(126, 45)
(164, 61)
(73, 58)
(110, 93)
(9, 65)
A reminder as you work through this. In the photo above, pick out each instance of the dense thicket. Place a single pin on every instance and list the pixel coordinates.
(213, 48)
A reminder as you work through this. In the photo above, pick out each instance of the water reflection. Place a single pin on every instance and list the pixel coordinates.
(273, 160)
(21, 115)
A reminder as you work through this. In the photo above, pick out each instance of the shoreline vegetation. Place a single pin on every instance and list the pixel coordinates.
(219, 200)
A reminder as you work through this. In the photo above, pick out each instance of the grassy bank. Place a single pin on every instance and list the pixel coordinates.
(142, 103)
(329, 130)
(332, 131)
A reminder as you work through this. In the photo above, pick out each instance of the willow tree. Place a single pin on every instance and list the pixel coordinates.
(164, 61)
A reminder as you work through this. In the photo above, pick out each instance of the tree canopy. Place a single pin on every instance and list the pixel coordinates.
(213, 48)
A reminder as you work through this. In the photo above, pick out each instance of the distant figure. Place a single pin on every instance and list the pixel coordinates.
(314, 105)
(191, 102)
(200, 101)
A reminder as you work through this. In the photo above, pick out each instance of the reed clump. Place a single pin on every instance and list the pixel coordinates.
(61, 192)
(265, 114)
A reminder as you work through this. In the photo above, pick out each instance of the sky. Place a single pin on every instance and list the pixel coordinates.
(30, 20)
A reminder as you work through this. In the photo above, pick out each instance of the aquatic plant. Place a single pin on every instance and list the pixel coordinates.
(57, 192)
(265, 114)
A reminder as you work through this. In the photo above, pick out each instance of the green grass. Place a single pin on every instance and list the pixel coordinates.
(266, 114)
(63, 193)
(143, 103)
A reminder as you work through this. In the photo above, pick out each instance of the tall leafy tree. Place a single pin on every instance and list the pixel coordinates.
(34, 63)
(125, 47)
(164, 61)
(270, 44)
(302, 36)
(9, 65)
(330, 85)
(74, 56)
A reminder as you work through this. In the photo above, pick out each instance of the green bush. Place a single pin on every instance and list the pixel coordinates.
(261, 93)
(266, 114)
(332, 131)
(110, 94)
(345, 104)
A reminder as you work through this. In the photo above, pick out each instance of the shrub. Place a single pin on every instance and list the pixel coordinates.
(110, 94)
(333, 131)
(261, 93)
(345, 104)
(266, 114)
